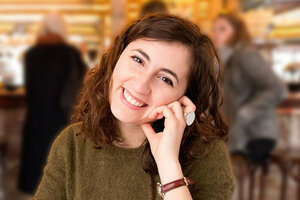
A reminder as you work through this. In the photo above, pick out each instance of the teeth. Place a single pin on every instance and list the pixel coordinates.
(131, 100)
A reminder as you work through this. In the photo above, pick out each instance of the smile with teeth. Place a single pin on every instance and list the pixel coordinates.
(131, 100)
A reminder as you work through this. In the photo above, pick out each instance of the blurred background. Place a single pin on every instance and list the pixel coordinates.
(85, 30)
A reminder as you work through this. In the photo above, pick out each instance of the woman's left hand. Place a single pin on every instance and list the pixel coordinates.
(165, 145)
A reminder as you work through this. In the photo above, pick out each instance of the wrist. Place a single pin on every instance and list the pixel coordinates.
(166, 163)
(163, 189)
(169, 172)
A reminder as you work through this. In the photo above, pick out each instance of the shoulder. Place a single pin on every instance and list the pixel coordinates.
(69, 131)
(71, 48)
(32, 51)
(248, 55)
(212, 171)
(213, 159)
(67, 137)
(211, 148)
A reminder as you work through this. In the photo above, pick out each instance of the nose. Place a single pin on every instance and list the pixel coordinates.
(142, 85)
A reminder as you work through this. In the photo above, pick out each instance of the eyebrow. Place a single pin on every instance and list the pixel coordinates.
(143, 53)
(162, 69)
(170, 72)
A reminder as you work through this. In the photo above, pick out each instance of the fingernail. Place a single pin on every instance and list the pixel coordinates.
(159, 116)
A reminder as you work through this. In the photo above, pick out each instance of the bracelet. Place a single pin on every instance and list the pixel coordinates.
(163, 189)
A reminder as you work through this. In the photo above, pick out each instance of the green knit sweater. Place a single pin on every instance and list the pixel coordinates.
(76, 170)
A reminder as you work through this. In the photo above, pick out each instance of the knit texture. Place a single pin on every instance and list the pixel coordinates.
(76, 170)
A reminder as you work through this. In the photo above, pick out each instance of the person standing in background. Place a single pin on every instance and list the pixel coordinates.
(54, 73)
(251, 91)
(153, 7)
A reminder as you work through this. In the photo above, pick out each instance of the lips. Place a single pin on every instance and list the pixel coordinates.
(133, 101)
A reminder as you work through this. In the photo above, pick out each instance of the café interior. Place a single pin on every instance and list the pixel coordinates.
(274, 26)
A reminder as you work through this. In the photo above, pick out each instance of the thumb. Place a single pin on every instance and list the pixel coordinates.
(148, 130)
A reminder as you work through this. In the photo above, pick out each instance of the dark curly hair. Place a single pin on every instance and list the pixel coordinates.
(93, 109)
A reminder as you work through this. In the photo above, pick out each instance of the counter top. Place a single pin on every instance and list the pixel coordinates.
(14, 98)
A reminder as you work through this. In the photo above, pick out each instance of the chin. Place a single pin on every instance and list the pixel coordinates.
(124, 116)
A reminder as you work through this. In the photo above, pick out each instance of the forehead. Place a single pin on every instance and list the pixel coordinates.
(223, 22)
(172, 55)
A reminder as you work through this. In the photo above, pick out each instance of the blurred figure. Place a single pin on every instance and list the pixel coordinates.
(152, 7)
(53, 76)
(251, 91)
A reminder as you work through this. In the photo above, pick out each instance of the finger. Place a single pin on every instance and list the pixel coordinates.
(148, 130)
(159, 116)
(155, 115)
(188, 105)
(165, 111)
(177, 109)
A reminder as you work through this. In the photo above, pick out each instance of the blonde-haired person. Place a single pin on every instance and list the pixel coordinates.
(53, 23)
(130, 126)
(54, 72)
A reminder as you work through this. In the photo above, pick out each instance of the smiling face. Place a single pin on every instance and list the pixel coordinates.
(148, 74)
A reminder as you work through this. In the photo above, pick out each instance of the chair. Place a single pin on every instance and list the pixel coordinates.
(244, 169)
(288, 162)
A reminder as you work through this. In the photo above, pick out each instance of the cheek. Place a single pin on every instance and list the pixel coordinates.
(119, 74)
(227, 36)
(223, 35)
(164, 97)
(115, 80)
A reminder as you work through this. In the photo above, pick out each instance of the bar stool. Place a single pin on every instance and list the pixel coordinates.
(287, 161)
(244, 169)
(253, 168)
(240, 169)
(3, 147)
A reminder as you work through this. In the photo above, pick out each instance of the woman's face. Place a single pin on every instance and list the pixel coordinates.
(148, 74)
(222, 32)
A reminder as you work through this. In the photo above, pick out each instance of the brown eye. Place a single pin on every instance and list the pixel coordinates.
(168, 81)
(137, 59)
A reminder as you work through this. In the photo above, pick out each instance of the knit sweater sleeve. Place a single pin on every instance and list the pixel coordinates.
(213, 173)
(53, 183)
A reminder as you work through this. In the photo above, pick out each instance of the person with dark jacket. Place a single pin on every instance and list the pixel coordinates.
(54, 73)
(251, 91)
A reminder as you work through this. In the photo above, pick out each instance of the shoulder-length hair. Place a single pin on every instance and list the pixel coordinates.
(93, 109)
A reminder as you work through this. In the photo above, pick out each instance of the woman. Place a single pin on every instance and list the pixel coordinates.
(130, 122)
(251, 90)
(54, 73)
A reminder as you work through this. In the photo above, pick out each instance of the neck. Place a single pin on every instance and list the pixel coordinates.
(132, 134)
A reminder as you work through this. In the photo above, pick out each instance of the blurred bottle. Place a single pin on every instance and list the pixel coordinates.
(9, 69)
(293, 69)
